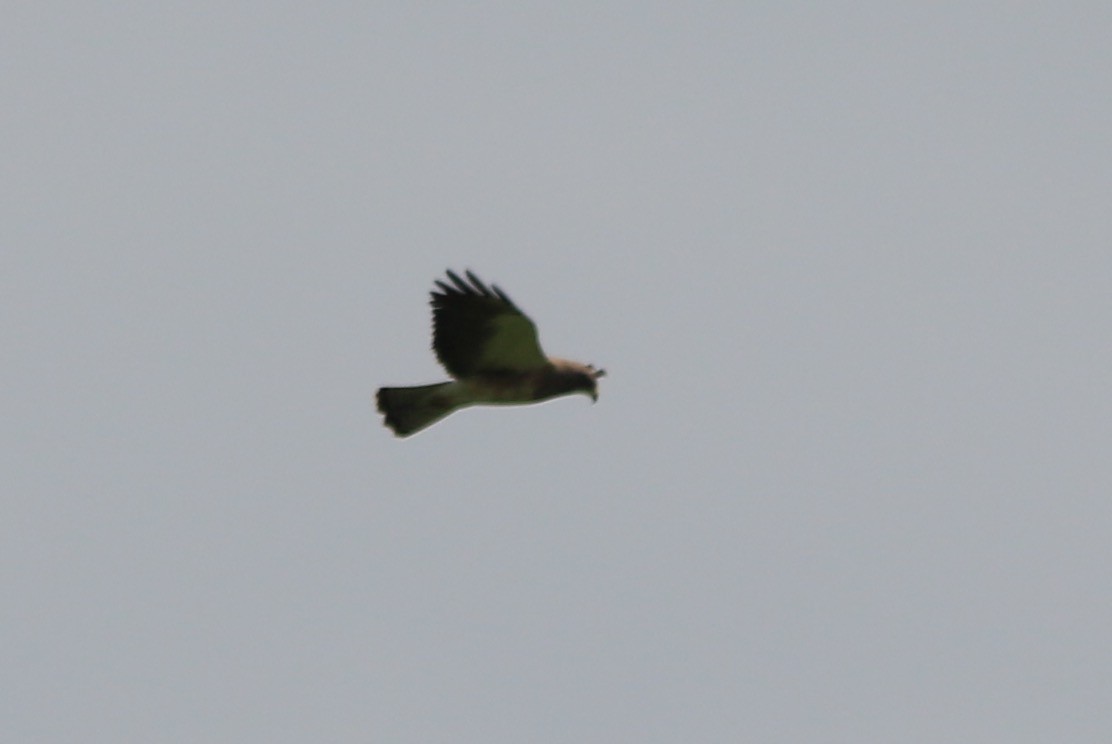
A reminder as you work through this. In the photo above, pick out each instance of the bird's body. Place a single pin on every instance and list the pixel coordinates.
(491, 350)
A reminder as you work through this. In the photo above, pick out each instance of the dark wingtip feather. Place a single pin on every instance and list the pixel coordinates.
(460, 284)
(476, 288)
(478, 283)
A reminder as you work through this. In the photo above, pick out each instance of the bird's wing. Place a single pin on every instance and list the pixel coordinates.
(478, 329)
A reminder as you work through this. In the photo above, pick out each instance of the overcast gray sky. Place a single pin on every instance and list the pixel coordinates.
(849, 266)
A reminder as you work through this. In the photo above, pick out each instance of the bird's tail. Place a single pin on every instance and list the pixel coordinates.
(410, 409)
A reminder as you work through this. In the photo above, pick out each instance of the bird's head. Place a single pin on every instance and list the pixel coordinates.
(574, 377)
(593, 374)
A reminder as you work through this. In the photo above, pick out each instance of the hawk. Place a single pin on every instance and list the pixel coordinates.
(490, 349)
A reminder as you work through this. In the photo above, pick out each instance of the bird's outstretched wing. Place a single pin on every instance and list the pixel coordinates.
(478, 329)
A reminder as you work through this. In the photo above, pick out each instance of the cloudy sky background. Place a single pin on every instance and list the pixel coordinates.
(849, 266)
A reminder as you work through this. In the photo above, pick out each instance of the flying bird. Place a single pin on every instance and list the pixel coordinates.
(491, 351)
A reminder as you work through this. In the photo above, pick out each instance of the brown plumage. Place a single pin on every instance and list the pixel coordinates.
(490, 349)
